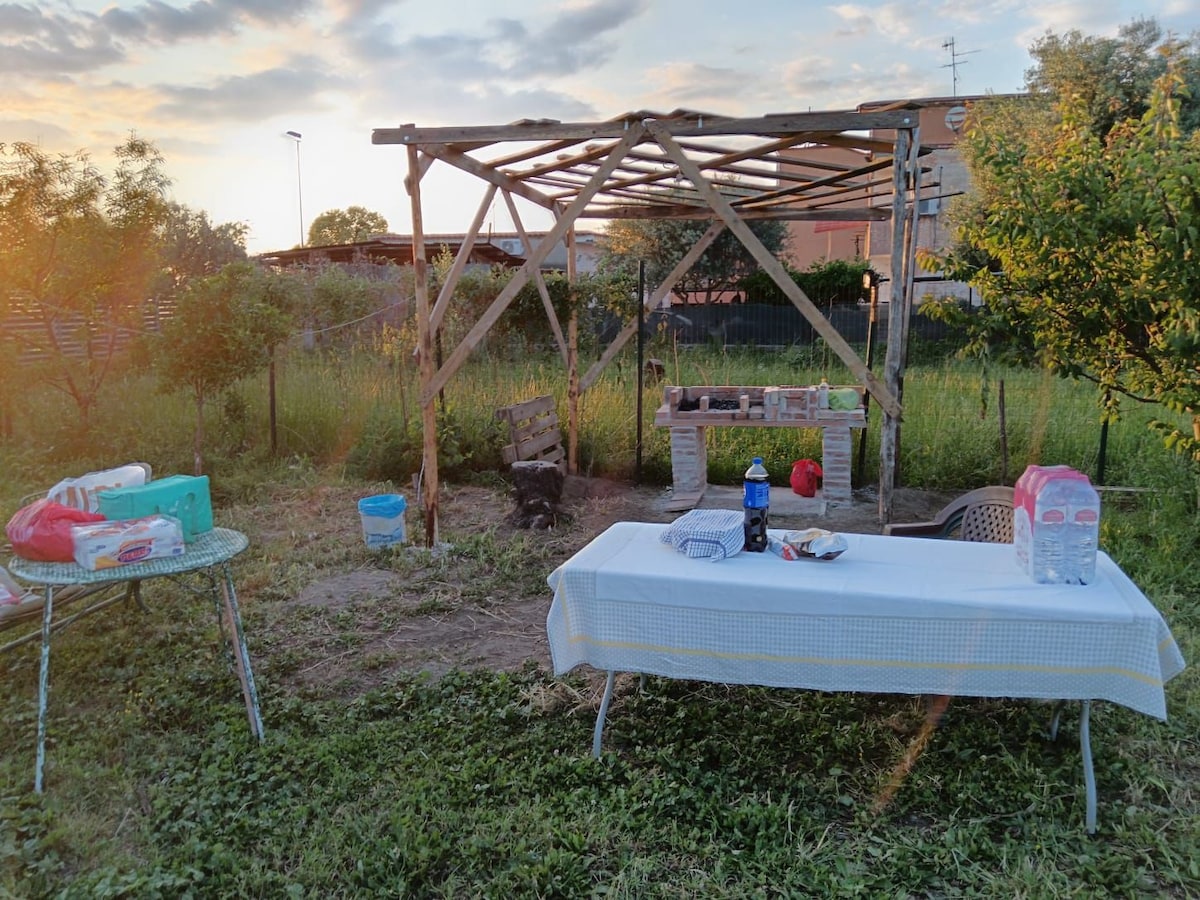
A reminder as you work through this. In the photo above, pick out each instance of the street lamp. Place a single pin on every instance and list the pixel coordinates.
(295, 135)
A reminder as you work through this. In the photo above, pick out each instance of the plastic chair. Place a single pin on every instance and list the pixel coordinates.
(984, 514)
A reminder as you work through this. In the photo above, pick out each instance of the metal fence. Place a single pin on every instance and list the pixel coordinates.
(756, 325)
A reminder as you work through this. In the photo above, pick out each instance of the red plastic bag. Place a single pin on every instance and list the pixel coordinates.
(804, 477)
(41, 531)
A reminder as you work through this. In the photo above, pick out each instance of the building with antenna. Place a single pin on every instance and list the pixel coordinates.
(945, 177)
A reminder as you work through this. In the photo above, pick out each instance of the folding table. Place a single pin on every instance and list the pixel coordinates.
(892, 614)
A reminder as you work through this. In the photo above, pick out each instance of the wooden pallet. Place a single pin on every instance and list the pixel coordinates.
(533, 432)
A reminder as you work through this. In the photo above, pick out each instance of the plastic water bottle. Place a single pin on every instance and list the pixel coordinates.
(1049, 533)
(1066, 531)
(1082, 532)
(756, 500)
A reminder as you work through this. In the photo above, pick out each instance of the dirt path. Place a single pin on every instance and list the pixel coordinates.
(354, 621)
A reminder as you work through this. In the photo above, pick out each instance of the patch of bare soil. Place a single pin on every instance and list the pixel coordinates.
(345, 619)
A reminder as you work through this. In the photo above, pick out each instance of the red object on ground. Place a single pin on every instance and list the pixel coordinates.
(804, 477)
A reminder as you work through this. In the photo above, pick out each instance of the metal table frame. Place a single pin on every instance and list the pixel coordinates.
(207, 557)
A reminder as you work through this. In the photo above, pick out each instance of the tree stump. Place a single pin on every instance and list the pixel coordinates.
(538, 488)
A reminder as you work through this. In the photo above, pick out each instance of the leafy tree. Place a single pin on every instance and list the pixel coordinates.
(1113, 77)
(345, 226)
(223, 330)
(192, 247)
(661, 243)
(77, 254)
(824, 282)
(1091, 249)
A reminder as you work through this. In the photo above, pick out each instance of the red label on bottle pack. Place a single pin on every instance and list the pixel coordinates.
(1086, 516)
(1053, 516)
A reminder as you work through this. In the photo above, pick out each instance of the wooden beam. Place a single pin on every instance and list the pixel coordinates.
(786, 213)
(543, 291)
(481, 170)
(573, 387)
(681, 268)
(778, 273)
(786, 123)
(893, 366)
(839, 179)
(522, 276)
(460, 261)
(429, 443)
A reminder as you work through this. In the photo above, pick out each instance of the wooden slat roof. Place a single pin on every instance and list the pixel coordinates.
(768, 167)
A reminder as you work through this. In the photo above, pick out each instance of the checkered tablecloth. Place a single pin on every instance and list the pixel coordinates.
(892, 614)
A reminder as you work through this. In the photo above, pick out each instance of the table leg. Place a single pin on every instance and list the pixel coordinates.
(1089, 775)
(43, 690)
(608, 692)
(241, 652)
(1056, 718)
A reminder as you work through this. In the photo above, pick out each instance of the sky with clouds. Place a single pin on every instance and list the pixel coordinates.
(216, 84)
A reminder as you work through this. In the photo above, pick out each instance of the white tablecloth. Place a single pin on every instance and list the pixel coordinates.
(892, 614)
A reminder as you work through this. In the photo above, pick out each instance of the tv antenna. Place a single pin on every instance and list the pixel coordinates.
(956, 60)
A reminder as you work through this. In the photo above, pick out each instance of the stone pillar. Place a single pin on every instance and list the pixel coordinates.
(689, 460)
(836, 463)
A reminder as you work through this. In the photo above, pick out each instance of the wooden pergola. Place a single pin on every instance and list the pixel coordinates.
(684, 164)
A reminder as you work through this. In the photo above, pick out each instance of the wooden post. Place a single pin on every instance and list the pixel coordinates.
(572, 361)
(429, 446)
(893, 361)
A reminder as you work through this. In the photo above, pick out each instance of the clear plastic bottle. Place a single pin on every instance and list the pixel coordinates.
(756, 500)
(1082, 532)
(1066, 530)
(1049, 533)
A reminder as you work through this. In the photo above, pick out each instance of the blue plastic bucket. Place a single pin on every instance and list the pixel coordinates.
(383, 520)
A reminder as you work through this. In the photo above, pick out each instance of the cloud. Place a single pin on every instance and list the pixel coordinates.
(251, 97)
(689, 83)
(575, 39)
(36, 42)
(823, 83)
(34, 131)
(157, 22)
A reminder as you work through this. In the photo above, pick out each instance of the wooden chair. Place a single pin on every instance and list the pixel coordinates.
(984, 514)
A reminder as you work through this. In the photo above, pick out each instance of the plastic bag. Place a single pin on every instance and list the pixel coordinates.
(83, 491)
(41, 531)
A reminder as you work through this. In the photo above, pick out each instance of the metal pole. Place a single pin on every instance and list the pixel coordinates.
(641, 364)
(872, 319)
(295, 135)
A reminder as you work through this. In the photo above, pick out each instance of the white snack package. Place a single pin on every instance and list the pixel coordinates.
(102, 545)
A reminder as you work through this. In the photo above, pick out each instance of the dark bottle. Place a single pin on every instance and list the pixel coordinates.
(756, 498)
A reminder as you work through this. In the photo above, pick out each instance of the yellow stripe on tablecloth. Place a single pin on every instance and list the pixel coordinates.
(876, 663)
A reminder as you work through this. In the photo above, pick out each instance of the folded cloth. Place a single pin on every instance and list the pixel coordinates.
(707, 533)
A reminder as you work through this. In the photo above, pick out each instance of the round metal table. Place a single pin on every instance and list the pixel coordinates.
(208, 555)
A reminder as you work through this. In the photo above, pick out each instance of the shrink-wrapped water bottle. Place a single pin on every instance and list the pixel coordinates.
(1082, 532)
(756, 500)
(1058, 514)
(1050, 534)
